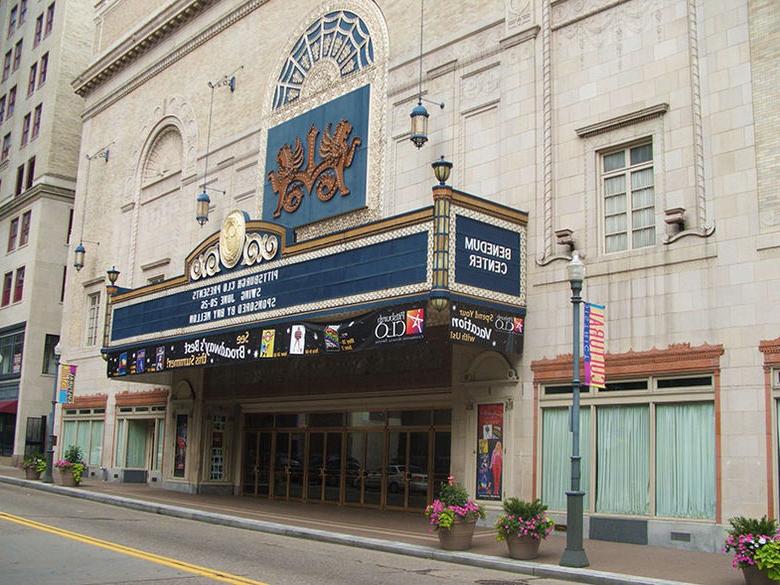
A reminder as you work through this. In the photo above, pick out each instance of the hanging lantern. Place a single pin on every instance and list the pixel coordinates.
(202, 207)
(419, 118)
(78, 262)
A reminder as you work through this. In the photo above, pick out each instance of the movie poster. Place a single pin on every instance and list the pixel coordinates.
(490, 450)
(180, 454)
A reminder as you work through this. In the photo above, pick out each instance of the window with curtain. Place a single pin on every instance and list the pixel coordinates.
(622, 459)
(87, 434)
(628, 189)
(556, 456)
(93, 316)
(685, 460)
(137, 433)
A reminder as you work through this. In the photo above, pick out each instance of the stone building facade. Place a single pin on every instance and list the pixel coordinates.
(44, 45)
(637, 133)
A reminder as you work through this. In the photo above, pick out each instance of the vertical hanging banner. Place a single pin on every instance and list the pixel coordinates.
(490, 450)
(67, 384)
(594, 346)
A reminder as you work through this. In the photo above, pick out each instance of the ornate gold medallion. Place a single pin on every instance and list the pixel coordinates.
(231, 239)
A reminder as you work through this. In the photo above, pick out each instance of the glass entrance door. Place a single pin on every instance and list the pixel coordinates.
(323, 471)
(406, 471)
(363, 467)
(288, 465)
(256, 475)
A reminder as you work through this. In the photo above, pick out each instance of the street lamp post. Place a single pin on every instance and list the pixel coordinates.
(574, 554)
(47, 474)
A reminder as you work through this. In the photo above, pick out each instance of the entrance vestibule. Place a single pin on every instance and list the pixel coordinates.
(382, 459)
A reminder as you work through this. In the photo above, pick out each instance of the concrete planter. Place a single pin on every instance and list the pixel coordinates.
(459, 536)
(66, 478)
(523, 548)
(755, 576)
(32, 473)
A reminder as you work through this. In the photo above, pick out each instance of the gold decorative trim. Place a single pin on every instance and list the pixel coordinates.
(484, 206)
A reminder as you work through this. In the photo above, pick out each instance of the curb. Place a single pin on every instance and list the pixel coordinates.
(464, 558)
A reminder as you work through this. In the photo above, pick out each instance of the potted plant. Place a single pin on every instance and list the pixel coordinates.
(523, 526)
(33, 466)
(71, 466)
(454, 515)
(756, 547)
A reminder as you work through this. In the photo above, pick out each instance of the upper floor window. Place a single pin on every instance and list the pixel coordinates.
(6, 147)
(49, 359)
(2, 109)
(31, 79)
(12, 20)
(19, 285)
(19, 181)
(36, 127)
(7, 64)
(30, 172)
(93, 315)
(26, 128)
(11, 102)
(70, 226)
(8, 279)
(11, 347)
(22, 11)
(13, 232)
(629, 198)
(44, 68)
(49, 19)
(38, 31)
(18, 54)
(24, 235)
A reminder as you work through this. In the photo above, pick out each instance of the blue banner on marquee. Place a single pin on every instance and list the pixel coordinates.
(386, 265)
(487, 257)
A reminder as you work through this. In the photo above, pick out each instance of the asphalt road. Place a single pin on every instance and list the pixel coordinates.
(46, 539)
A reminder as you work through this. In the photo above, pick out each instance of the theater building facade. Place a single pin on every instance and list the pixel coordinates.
(304, 312)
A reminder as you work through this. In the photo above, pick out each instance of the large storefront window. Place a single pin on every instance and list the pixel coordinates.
(622, 422)
(11, 344)
(86, 433)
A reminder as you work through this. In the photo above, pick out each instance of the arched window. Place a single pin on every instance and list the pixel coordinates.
(339, 39)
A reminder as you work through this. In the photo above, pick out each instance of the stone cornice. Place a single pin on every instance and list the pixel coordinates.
(678, 358)
(771, 350)
(138, 42)
(624, 120)
(148, 398)
(169, 59)
(31, 195)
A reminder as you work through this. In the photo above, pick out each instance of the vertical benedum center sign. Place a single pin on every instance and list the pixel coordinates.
(487, 256)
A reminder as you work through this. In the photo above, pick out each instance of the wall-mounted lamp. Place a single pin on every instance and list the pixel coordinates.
(79, 252)
(203, 201)
(419, 115)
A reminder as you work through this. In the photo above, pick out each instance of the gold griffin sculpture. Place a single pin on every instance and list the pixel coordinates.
(289, 179)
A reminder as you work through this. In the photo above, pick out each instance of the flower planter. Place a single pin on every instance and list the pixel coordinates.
(755, 576)
(523, 548)
(66, 478)
(459, 536)
(31, 473)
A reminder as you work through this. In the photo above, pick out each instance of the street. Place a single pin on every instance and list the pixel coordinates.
(57, 540)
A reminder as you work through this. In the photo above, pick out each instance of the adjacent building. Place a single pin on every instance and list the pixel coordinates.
(44, 45)
(304, 312)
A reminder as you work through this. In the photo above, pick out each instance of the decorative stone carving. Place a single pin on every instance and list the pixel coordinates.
(371, 71)
(164, 157)
(259, 248)
(519, 13)
(206, 264)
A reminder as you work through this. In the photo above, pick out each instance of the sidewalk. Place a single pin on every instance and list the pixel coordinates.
(406, 533)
